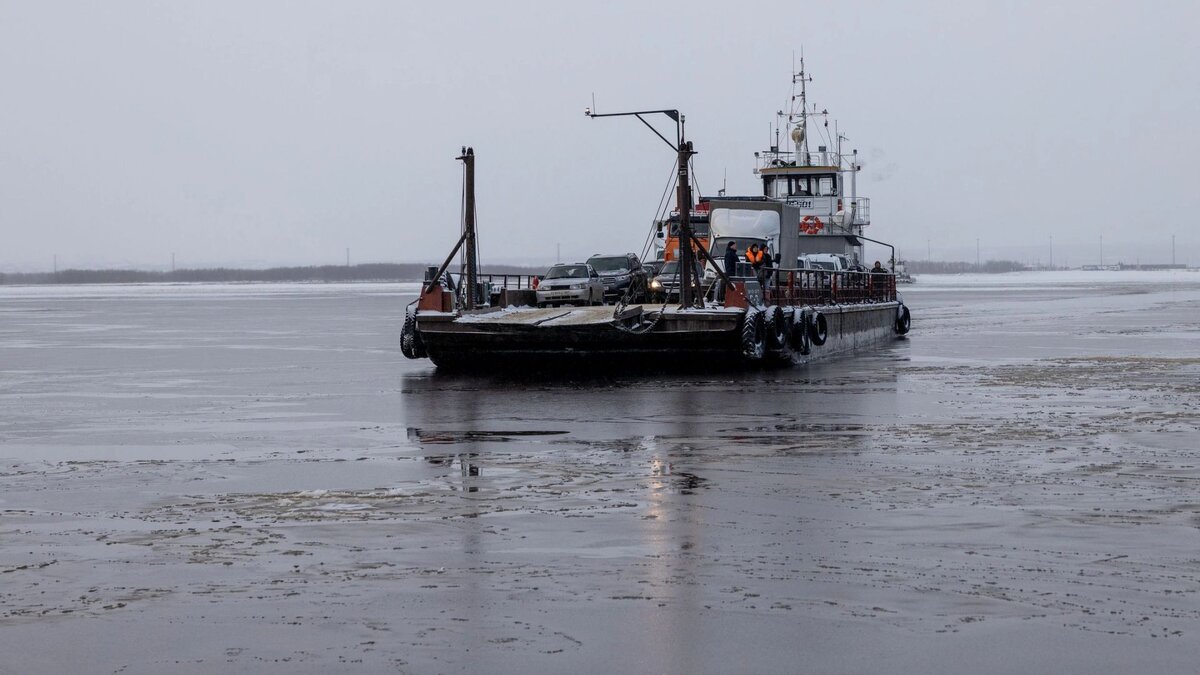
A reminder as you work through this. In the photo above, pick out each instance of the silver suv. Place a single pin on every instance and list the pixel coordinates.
(573, 284)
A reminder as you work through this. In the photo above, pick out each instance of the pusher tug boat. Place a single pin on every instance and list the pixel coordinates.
(814, 298)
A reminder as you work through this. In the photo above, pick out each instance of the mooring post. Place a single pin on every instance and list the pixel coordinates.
(468, 160)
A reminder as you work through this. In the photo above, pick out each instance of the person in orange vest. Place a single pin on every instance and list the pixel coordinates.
(756, 257)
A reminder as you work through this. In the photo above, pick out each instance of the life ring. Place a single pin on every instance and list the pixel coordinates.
(903, 320)
(811, 225)
(752, 335)
(818, 329)
(799, 337)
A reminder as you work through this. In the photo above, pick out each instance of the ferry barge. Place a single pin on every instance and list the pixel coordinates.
(814, 299)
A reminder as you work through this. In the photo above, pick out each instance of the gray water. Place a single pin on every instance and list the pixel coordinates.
(251, 478)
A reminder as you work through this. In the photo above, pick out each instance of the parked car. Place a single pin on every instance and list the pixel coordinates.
(619, 273)
(822, 264)
(664, 287)
(832, 262)
(570, 284)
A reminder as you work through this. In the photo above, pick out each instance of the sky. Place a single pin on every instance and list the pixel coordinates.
(281, 133)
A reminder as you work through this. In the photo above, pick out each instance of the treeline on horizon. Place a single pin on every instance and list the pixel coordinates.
(954, 267)
(321, 273)
(372, 272)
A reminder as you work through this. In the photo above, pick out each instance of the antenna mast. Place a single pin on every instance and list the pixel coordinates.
(803, 79)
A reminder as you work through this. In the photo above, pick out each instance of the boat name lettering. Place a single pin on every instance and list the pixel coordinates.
(802, 203)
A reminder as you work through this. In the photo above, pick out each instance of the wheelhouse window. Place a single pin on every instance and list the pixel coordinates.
(781, 187)
(826, 186)
(699, 226)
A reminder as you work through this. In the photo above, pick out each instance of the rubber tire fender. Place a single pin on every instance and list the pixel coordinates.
(411, 344)
(799, 337)
(408, 336)
(777, 328)
(753, 338)
(818, 329)
(903, 320)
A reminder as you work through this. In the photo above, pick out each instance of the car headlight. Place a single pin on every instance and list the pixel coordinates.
(656, 284)
(578, 287)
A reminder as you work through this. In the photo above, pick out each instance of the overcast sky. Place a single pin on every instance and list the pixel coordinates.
(262, 133)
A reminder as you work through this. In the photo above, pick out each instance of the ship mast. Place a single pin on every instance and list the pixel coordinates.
(802, 144)
(467, 157)
(469, 244)
(683, 200)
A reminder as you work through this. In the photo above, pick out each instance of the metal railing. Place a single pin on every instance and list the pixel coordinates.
(493, 282)
(862, 210)
(783, 159)
(823, 287)
(788, 287)
(508, 281)
(490, 286)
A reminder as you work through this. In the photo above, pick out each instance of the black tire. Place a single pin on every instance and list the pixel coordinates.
(777, 328)
(799, 335)
(753, 335)
(779, 333)
(419, 350)
(407, 337)
(903, 320)
(411, 344)
(818, 329)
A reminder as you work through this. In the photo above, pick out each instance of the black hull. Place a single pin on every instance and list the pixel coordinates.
(705, 340)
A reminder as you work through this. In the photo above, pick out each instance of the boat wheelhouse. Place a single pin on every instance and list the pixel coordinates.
(814, 192)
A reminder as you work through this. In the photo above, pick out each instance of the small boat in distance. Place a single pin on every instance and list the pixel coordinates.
(810, 297)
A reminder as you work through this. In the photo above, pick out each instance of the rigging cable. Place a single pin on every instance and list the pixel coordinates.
(695, 180)
(627, 297)
(462, 228)
(478, 260)
(659, 214)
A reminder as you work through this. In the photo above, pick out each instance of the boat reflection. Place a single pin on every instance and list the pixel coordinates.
(635, 494)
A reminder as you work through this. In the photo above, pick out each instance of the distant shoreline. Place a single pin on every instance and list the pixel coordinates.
(376, 272)
(415, 272)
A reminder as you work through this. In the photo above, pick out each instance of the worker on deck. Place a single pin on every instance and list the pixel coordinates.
(757, 257)
(878, 268)
(731, 261)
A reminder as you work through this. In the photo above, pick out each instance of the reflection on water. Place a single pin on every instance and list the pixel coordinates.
(652, 475)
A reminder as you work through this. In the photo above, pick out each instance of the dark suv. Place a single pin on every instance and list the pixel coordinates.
(619, 273)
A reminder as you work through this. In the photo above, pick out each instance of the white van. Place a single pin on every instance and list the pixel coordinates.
(831, 262)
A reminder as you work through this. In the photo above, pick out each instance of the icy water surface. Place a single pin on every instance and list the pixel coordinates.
(252, 479)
